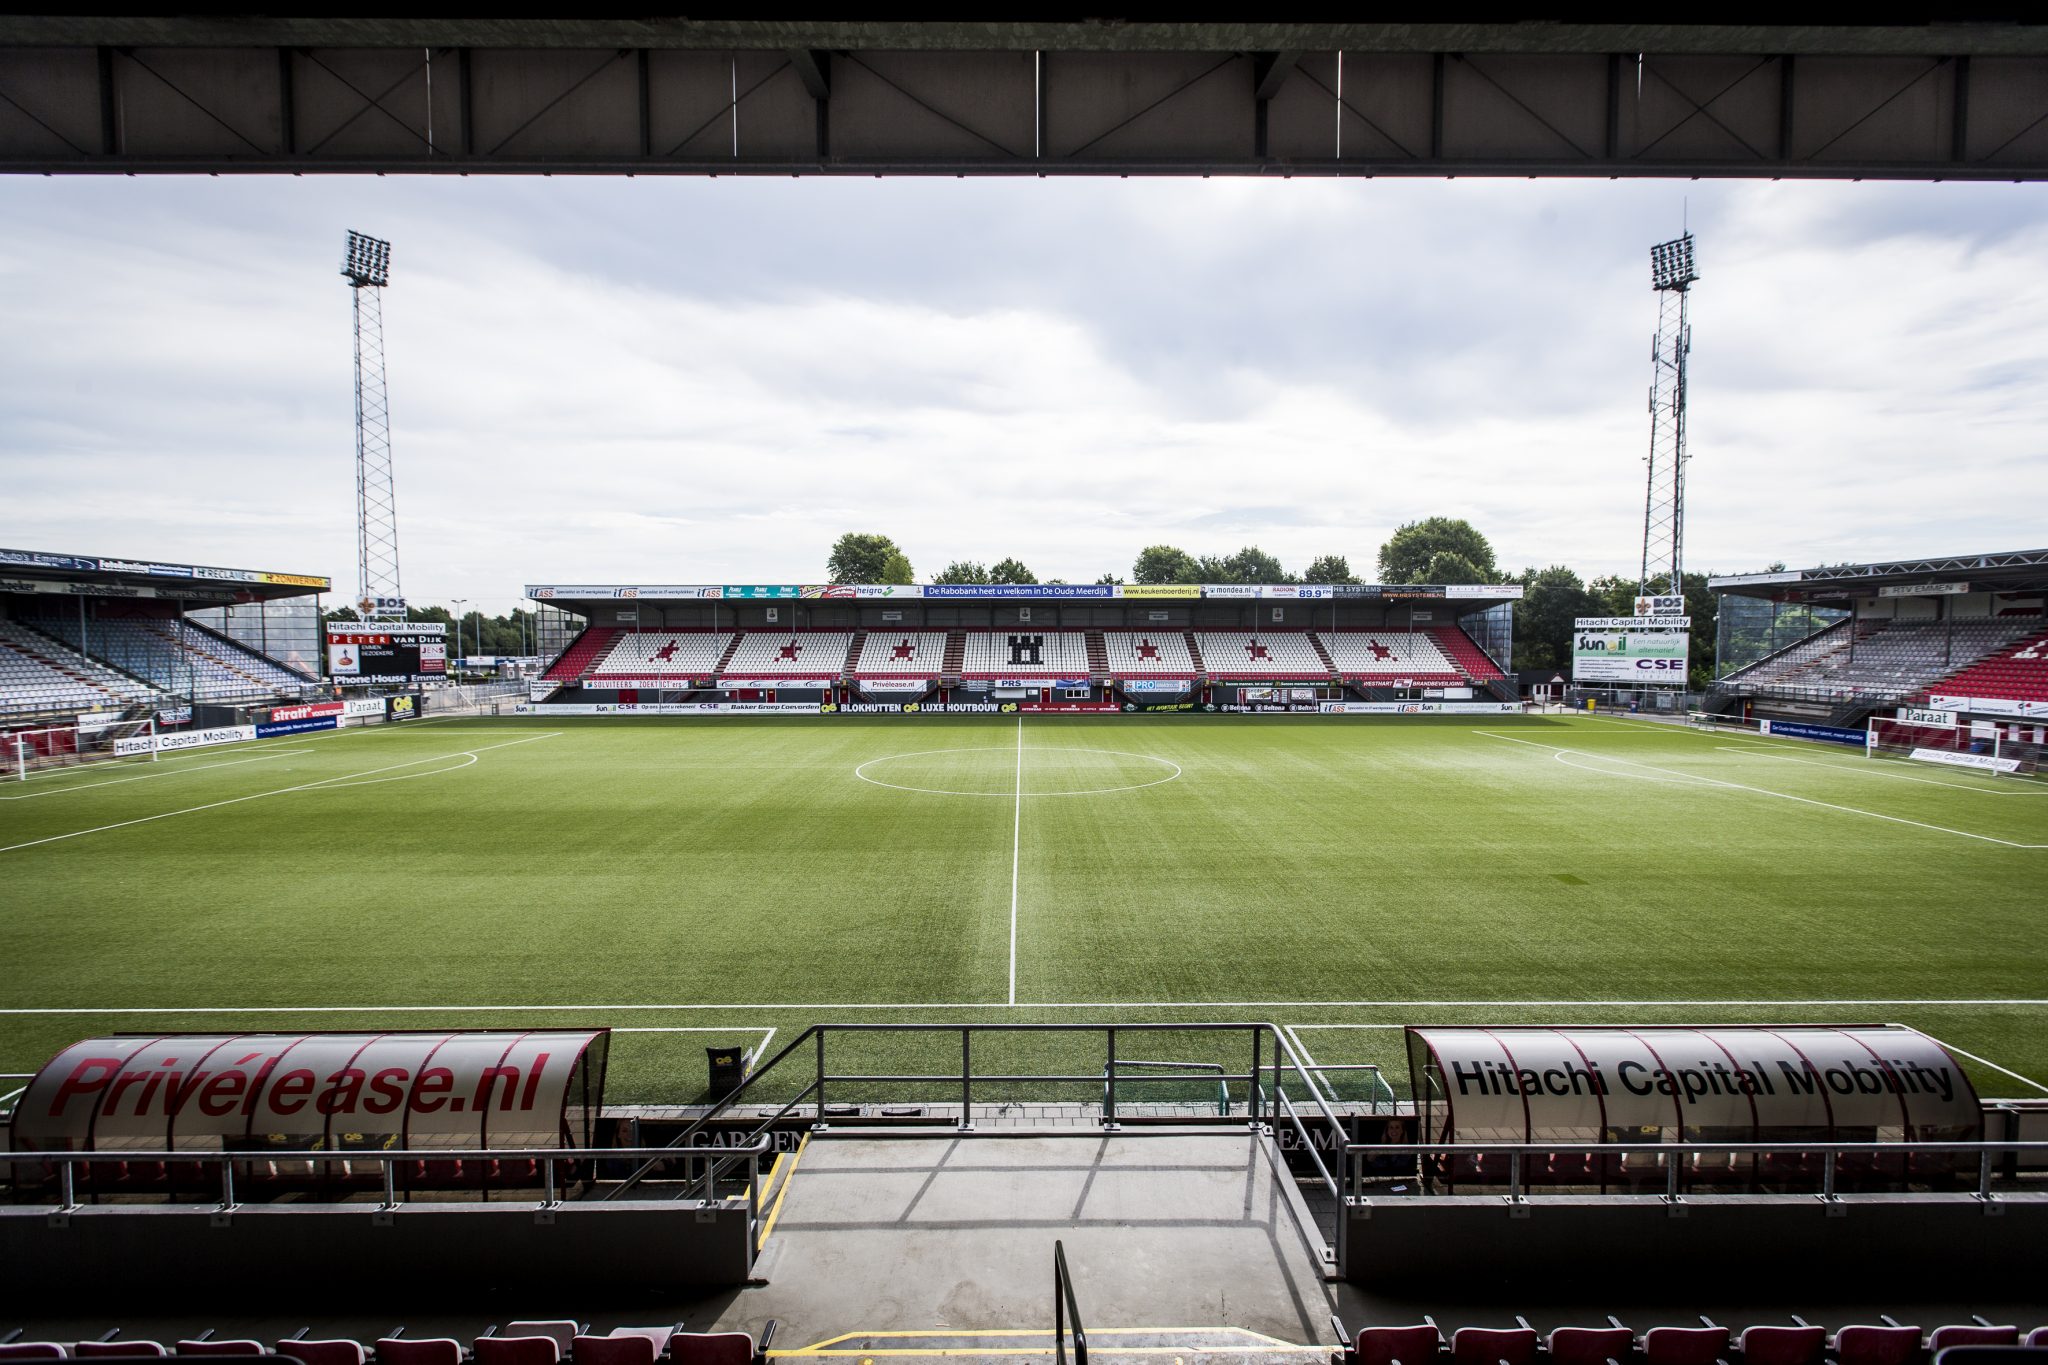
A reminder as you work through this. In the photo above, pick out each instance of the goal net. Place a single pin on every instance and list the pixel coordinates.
(29, 753)
(2010, 748)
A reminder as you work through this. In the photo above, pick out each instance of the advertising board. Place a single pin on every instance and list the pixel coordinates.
(368, 655)
(1630, 656)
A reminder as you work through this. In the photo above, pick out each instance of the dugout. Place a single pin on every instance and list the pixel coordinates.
(1584, 1087)
(278, 1095)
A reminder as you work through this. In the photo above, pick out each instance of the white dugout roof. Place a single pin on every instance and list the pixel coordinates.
(1620, 1084)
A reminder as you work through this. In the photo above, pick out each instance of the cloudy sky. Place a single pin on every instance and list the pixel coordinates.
(661, 380)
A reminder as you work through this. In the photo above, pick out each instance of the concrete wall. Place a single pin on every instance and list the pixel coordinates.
(446, 1250)
(1918, 1241)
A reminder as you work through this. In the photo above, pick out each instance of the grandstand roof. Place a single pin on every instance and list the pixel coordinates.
(36, 571)
(1477, 594)
(2000, 571)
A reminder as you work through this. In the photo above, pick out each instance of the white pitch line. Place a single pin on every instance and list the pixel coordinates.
(277, 791)
(145, 777)
(1016, 845)
(2025, 1080)
(1763, 791)
(1820, 1001)
(698, 1028)
(1867, 769)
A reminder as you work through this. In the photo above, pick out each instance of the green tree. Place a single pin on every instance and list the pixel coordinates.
(1010, 571)
(1165, 564)
(1249, 565)
(1613, 595)
(1329, 569)
(962, 571)
(1108, 580)
(1437, 550)
(1552, 598)
(867, 557)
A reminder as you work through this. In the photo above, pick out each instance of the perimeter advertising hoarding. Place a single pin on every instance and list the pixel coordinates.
(1630, 656)
(364, 656)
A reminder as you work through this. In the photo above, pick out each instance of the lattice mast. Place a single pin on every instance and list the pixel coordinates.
(1672, 276)
(366, 265)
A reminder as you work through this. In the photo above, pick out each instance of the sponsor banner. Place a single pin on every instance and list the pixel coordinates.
(1411, 592)
(1296, 591)
(298, 580)
(1063, 707)
(406, 707)
(1355, 589)
(1632, 623)
(1993, 706)
(842, 591)
(917, 708)
(366, 653)
(1660, 606)
(537, 690)
(690, 708)
(1745, 580)
(1137, 685)
(1420, 708)
(1226, 590)
(817, 684)
(758, 590)
(1799, 729)
(1629, 656)
(190, 739)
(1152, 707)
(545, 592)
(382, 631)
(174, 715)
(135, 744)
(1158, 591)
(1496, 591)
(297, 727)
(1981, 762)
(1924, 590)
(96, 720)
(30, 559)
(1917, 715)
(308, 711)
(913, 687)
(1037, 590)
(363, 706)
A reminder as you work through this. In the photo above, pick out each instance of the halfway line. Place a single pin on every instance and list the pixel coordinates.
(1016, 843)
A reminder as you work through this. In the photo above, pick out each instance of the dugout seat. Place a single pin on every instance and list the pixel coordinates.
(1870, 1345)
(205, 1344)
(1590, 1345)
(1494, 1345)
(1684, 1345)
(132, 1349)
(1416, 1345)
(335, 1351)
(623, 1346)
(720, 1348)
(1978, 1333)
(1775, 1345)
(516, 1350)
(397, 1350)
(32, 1350)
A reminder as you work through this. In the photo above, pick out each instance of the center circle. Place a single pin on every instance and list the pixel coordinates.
(998, 771)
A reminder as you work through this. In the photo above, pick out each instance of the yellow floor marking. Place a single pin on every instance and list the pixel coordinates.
(775, 1211)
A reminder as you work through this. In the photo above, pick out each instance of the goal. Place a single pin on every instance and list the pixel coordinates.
(2003, 747)
(27, 753)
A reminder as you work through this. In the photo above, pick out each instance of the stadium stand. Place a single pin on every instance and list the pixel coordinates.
(901, 654)
(584, 651)
(2019, 673)
(1466, 655)
(1137, 654)
(1277, 655)
(790, 654)
(1881, 660)
(1022, 653)
(39, 675)
(642, 656)
(1384, 657)
(181, 658)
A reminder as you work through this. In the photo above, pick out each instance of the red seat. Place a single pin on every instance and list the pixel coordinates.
(517, 1351)
(335, 1352)
(1493, 1346)
(1397, 1345)
(1589, 1345)
(1941, 1338)
(2038, 1338)
(419, 1351)
(711, 1348)
(208, 1347)
(1783, 1345)
(1866, 1345)
(615, 1350)
(118, 1348)
(31, 1350)
(1684, 1345)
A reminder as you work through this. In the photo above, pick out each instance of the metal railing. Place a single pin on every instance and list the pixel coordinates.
(1266, 1095)
(1065, 1310)
(1673, 1161)
(65, 1174)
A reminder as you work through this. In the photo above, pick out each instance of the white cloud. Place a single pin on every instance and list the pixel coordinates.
(705, 381)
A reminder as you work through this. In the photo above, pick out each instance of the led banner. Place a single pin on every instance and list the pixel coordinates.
(1629, 656)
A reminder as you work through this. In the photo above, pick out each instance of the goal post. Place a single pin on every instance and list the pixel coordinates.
(2005, 748)
(26, 753)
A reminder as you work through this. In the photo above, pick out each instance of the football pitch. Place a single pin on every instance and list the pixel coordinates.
(731, 881)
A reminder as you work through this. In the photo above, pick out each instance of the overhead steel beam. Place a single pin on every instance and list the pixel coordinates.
(142, 94)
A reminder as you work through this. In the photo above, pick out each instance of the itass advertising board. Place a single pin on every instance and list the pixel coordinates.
(1629, 656)
(397, 656)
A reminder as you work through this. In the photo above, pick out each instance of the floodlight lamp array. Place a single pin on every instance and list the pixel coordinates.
(366, 261)
(1671, 264)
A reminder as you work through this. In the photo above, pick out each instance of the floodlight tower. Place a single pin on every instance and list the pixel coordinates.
(366, 264)
(1671, 275)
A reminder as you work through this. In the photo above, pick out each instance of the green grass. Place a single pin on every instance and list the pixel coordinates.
(1211, 868)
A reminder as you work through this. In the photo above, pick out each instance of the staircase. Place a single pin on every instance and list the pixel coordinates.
(582, 655)
(955, 660)
(1098, 658)
(1195, 653)
(1323, 653)
(853, 649)
(718, 670)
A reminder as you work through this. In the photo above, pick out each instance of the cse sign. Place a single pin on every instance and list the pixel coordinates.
(1630, 656)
